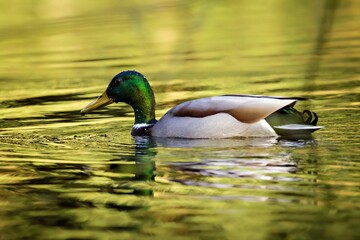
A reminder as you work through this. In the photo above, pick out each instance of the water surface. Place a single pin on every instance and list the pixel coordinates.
(64, 176)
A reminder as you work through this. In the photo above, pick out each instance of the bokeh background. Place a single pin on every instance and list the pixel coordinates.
(64, 176)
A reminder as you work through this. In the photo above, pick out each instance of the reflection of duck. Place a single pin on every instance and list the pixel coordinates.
(212, 117)
(141, 166)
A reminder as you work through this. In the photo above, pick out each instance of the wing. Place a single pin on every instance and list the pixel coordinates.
(245, 108)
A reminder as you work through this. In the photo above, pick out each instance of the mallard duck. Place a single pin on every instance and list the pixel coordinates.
(212, 117)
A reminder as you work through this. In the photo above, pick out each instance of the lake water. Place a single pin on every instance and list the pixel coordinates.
(64, 176)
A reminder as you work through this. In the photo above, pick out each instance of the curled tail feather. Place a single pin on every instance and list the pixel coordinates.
(310, 118)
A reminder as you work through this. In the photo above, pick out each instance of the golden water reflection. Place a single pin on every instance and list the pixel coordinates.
(67, 176)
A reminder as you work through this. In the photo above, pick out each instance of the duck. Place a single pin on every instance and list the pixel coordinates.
(224, 116)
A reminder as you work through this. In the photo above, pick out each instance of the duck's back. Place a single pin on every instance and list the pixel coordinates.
(221, 117)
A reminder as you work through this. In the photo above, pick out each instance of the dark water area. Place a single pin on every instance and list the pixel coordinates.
(67, 176)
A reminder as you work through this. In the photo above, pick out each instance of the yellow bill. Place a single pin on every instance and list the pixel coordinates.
(101, 101)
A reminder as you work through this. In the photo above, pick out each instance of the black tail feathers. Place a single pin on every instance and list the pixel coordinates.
(310, 118)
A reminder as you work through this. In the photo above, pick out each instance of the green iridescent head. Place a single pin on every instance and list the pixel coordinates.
(130, 87)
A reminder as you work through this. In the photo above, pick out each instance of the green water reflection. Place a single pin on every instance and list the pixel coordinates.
(64, 176)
